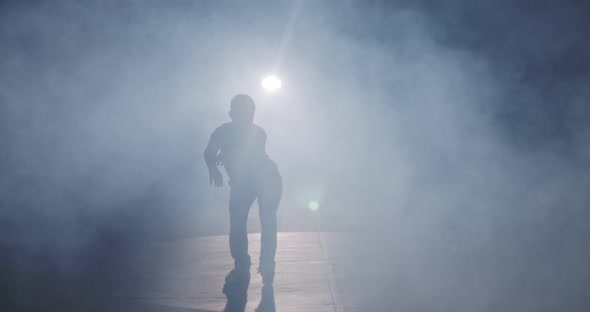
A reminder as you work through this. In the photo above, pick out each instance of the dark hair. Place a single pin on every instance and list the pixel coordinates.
(242, 103)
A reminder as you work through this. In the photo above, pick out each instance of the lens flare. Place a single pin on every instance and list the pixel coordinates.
(314, 205)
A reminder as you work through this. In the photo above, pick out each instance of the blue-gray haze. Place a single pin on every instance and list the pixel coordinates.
(450, 139)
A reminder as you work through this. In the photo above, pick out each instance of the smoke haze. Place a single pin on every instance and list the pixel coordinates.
(449, 140)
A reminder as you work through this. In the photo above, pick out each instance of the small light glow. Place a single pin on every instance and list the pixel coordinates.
(314, 205)
(271, 83)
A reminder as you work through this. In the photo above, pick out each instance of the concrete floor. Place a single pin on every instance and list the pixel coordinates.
(188, 275)
(398, 267)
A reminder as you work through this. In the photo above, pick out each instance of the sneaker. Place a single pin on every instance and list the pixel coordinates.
(268, 273)
(236, 290)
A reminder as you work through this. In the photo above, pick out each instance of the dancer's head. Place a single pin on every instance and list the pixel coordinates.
(242, 109)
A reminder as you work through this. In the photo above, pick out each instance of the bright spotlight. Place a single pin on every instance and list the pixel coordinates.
(271, 83)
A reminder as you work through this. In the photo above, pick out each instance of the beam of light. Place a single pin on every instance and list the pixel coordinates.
(271, 83)
(288, 32)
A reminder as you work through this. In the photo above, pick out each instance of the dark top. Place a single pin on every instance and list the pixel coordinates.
(243, 150)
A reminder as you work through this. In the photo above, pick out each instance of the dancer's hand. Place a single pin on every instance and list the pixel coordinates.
(219, 160)
(215, 177)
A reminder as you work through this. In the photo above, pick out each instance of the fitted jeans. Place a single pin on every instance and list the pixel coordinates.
(267, 189)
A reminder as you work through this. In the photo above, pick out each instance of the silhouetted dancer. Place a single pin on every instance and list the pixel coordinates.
(240, 146)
